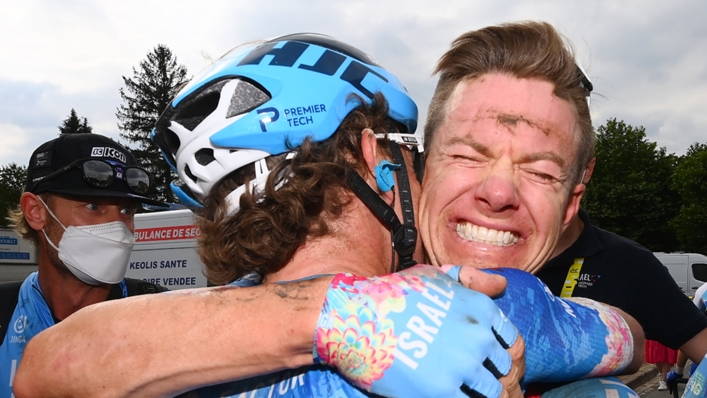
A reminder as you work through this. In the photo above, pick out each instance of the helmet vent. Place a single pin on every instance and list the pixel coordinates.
(245, 98)
(204, 156)
(196, 109)
(188, 172)
(172, 143)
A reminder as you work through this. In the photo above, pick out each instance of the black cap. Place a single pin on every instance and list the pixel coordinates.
(57, 153)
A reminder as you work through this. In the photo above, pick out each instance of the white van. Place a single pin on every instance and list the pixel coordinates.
(689, 270)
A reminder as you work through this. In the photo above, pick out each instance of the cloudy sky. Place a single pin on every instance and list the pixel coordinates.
(647, 59)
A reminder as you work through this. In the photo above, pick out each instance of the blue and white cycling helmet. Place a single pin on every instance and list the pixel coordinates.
(265, 99)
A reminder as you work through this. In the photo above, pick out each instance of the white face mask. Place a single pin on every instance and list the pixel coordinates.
(95, 253)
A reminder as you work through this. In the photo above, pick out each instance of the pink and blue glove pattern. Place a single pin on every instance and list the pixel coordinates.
(389, 334)
(565, 339)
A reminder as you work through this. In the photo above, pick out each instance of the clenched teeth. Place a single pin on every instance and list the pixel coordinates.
(485, 235)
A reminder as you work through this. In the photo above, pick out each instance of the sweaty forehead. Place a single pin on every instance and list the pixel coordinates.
(512, 120)
(512, 102)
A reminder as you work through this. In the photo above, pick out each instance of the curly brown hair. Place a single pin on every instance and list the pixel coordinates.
(271, 225)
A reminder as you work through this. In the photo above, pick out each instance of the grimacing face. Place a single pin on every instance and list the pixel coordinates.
(496, 189)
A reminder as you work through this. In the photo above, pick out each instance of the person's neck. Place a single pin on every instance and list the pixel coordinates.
(569, 236)
(64, 293)
(357, 243)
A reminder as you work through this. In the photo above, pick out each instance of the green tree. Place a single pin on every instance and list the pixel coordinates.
(690, 181)
(630, 192)
(12, 184)
(74, 124)
(146, 95)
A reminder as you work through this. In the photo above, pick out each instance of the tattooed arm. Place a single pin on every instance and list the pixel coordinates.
(155, 345)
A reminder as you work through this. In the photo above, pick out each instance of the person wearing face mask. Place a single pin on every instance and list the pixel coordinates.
(80, 199)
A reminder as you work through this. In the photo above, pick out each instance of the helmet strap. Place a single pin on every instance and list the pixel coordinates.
(404, 235)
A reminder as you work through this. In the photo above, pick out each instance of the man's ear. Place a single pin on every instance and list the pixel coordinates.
(576, 195)
(573, 204)
(34, 211)
(372, 157)
(589, 171)
(369, 147)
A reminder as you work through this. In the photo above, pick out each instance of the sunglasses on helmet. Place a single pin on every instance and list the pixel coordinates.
(412, 142)
(102, 174)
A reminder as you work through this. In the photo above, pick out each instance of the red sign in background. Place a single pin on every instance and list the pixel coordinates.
(178, 232)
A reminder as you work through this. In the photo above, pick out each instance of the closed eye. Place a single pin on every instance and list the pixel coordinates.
(540, 177)
(468, 158)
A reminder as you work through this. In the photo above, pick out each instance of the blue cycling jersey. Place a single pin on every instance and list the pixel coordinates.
(697, 386)
(314, 381)
(31, 316)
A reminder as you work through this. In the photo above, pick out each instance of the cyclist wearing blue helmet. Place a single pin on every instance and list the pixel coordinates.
(287, 145)
(320, 203)
(326, 193)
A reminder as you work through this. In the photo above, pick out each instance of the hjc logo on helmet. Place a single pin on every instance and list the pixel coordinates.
(108, 152)
(328, 64)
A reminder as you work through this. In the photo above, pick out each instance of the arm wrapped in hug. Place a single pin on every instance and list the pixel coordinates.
(566, 339)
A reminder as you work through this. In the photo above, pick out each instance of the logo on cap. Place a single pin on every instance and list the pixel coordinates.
(42, 159)
(107, 152)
